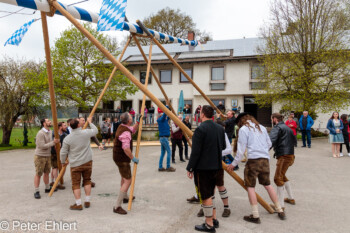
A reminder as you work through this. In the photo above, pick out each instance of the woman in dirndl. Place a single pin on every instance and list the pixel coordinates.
(335, 127)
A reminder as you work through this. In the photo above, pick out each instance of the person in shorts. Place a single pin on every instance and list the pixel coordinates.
(205, 163)
(254, 136)
(122, 156)
(76, 146)
(42, 157)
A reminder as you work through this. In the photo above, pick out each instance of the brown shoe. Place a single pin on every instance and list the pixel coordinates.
(161, 169)
(76, 207)
(290, 201)
(200, 213)
(87, 204)
(119, 210)
(51, 184)
(61, 187)
(250, 218)
(282, 215)
(126, 200)
(244, 160)
(93, 184)
(226, 213)
(193, 200)
(170, 169)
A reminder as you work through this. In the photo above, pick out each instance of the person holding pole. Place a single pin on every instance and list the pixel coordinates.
(42, 157)
(283, 141)
(76, 147)
(122, 156)
(164, 133)
(187, 122)
(208, 142)
(254, 136)
(62, 127)
(176, 140)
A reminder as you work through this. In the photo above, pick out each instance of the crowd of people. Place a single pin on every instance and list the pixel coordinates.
(211, 146)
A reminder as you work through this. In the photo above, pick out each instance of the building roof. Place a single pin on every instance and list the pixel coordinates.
(212, 50)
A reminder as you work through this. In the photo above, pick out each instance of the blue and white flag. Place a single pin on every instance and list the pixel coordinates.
(16, 37)
(112, 15)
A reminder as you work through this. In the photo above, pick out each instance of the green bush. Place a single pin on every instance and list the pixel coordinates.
(157, 134)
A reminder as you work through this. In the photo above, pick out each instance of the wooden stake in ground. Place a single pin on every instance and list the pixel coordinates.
(125, 71)
(51, 89)
(158, 83)
(131, 194)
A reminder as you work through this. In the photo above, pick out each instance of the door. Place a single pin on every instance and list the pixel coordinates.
(126, 105)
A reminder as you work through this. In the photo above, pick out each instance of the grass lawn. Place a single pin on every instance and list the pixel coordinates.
(17, 138)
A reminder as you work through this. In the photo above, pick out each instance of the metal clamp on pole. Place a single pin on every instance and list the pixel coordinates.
(144, 28)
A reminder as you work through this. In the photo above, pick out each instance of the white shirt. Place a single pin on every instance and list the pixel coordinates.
(174, 128)
(228, 148)
(258, 143)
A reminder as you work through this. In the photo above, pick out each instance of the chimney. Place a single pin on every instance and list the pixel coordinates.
(190, 35)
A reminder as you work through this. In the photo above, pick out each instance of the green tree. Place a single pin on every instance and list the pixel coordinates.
(174, 23)
(81, 71)
(305, 56)
(18, 98)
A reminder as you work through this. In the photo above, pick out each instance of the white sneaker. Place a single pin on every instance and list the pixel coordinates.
(349, 154)
(341, 154)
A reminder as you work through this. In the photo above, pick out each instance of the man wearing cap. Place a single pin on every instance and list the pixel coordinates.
(254, 136)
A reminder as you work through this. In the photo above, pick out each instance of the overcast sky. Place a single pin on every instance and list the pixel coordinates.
(224, 19)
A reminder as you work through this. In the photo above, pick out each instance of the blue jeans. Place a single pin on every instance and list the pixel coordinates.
(306, 133)
(164, 146)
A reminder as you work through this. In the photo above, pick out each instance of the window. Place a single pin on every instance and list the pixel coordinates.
(183, 79)
(217, 78)
(217, 101)
(165, 76)
(257, 85)
(143, 77)
(257, 71)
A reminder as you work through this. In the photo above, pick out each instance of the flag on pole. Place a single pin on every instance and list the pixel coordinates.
(16, 37)
(112, 15)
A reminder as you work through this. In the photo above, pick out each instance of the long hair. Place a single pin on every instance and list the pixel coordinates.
(244, 121)
(332, 117)
(344, 118)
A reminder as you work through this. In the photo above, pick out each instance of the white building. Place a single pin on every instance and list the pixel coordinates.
(225, 70)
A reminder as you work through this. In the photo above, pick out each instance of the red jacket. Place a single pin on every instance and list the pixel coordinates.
(293, 125)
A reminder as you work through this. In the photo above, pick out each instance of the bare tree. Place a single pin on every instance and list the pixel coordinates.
(305, 56)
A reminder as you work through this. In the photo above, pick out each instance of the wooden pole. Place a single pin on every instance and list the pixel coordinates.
(159, 84)
(51, 89)
(120, 66)
(241, 182)
(178, 66)
(126, 72)
(63, 170)
(131, 194)
(107, 83)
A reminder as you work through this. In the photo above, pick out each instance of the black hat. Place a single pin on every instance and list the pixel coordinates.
(242, 114)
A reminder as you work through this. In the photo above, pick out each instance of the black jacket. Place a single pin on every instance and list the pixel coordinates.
(229, 126)
(282, 139)
(187, 124)
(208, 141)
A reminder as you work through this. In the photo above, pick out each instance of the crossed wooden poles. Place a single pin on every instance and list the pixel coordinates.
(143, 88)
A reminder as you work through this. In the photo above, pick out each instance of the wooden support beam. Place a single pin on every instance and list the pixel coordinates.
(51, 89)
(131, 77)
(131, 194)
(178, 67)
(120, 66)
(107, 83)
(159, 84)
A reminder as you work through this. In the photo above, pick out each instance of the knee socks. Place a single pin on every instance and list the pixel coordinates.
(280, 195)
(121, 196)
(289, 190)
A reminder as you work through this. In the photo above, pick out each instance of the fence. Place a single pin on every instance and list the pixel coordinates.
(148, 119)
